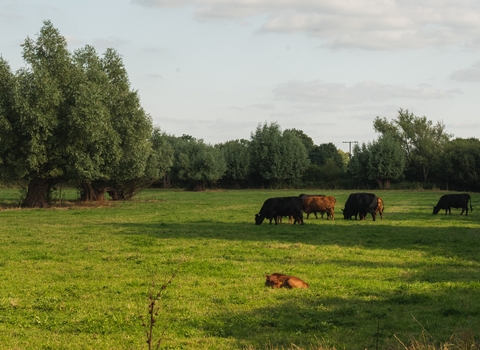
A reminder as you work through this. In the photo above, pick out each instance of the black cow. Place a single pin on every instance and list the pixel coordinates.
(360, 204)
(449, 201)
(280, 206)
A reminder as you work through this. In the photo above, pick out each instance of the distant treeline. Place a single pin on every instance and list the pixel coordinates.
(410, 153)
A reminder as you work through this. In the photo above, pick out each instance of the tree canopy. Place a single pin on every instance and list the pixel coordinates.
(70, 118)
(277, 157)
(421, 140)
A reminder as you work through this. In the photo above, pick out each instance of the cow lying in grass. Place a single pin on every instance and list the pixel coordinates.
(279, 280)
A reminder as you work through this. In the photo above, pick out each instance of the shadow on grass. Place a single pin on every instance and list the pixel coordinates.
(452, 242)
(307, 319)
(449, 259)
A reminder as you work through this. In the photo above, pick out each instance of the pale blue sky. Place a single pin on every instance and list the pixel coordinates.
(215, 69)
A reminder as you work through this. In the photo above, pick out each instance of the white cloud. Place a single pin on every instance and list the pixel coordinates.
(335, 94)
(153, 76)
(366, 24)
(113, 42)
(73, 41)
(164, 3)
(471, 74)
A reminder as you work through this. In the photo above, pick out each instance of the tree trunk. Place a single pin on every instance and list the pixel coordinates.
(166, 182)
(380, 183)
(115, 194)
(88, 193)
(199, 186)
(37, 193)
(386, 184)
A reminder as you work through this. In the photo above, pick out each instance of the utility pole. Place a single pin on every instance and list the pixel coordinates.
(350, 147)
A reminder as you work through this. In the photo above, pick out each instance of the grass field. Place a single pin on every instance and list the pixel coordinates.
(76, 277)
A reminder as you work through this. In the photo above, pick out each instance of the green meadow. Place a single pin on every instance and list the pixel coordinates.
(79, 277)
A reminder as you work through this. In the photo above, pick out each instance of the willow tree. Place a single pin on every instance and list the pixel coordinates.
(69, 117)
(277, 158)
(7, 116)
(131, 128)
(459, 166)
(237, 158)
(386, 161)
(42, 95)
(421, 140)
(382, 160)
(197, 163)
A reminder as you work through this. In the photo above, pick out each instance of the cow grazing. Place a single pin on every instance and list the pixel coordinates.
(310, 195)
(360, 204)
(380, 208)
(322, 204)
(279, 280)
(280, 206)
(449, 201)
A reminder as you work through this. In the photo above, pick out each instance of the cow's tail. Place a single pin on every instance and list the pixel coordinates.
(470, 199)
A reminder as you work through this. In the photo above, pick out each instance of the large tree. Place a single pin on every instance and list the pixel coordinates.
(7, 115)
(94, 158)
(277, 157)
(322, 153)
(237, 158)
(386, 161)
(459, 165)
(43, 93)
(157, 166)
(421, 140)
(197, 163)
(382, 160)
(74, 118)
(133, 128)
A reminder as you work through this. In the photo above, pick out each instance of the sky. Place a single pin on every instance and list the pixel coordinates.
(217, 69)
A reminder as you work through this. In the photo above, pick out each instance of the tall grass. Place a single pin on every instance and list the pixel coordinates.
(76, 277)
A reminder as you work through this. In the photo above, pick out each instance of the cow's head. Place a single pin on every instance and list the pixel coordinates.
(436, 210)
(259, 219)
(346, 214)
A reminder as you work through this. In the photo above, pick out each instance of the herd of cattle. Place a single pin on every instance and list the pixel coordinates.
(357, 205)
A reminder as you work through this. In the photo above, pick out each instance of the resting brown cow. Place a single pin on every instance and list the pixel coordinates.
(279, 280)
(380, 208)
(319, 204)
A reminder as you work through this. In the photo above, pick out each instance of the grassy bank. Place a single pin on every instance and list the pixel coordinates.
(77, 277)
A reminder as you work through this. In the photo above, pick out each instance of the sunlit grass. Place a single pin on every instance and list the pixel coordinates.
(78, 277)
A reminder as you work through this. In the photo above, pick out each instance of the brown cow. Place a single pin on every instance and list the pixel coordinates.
(380, 208)
(319, 204)
(280, 219)
(279, 280)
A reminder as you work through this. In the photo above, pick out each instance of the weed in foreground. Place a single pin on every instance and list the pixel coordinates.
(153, 313)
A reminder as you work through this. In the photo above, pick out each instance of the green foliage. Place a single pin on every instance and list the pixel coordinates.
(306, 140)
(322, 153)
(67, 117)
(7, 109)
(382, 160)
(421, 140)
(237, 159)
(409, 276)
(358, 165)
(277, 157)
(129, 120)
(197, 163)
(158, 164)
(459, 165)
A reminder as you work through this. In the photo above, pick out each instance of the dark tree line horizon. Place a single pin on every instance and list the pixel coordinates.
(73, 118)
(410, 152)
